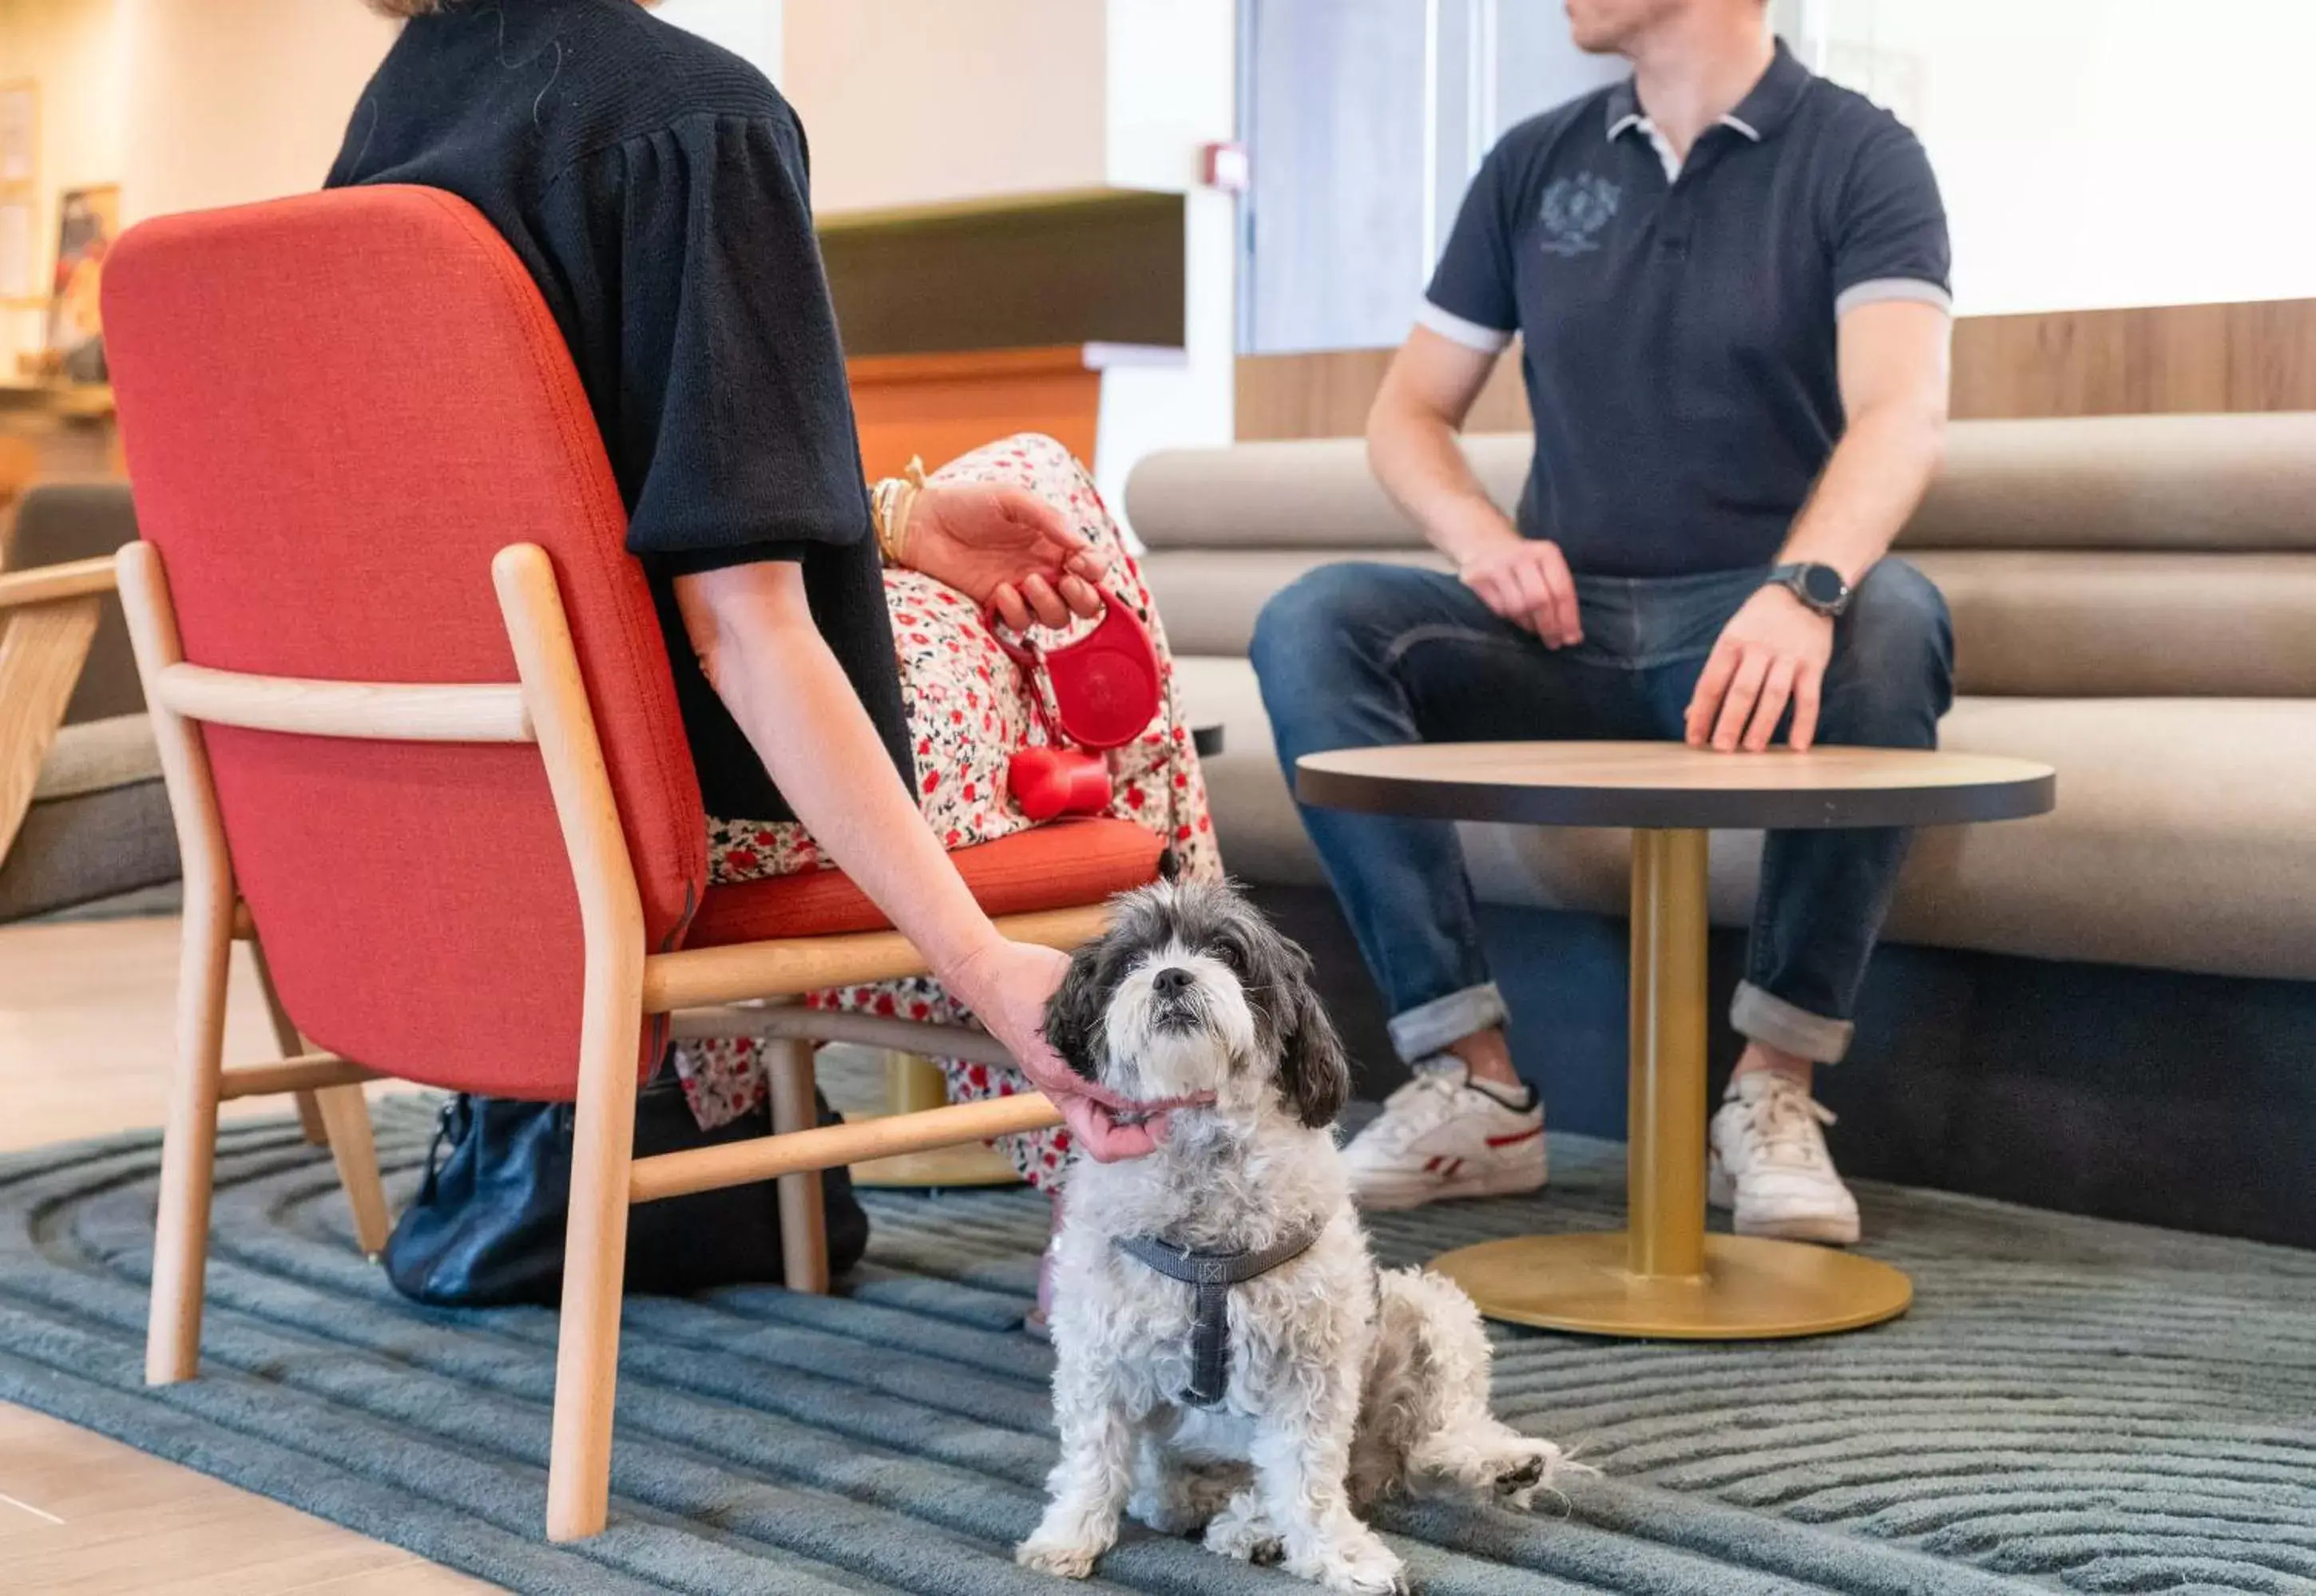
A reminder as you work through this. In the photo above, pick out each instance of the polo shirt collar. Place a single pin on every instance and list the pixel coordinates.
(1762, 111)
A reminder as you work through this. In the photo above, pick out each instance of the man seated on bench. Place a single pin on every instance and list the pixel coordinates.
(1728, 277)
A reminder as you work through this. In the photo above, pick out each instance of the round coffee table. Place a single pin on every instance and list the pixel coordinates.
(1663, 1276)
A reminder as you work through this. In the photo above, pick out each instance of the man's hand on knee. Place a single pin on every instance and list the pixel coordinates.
(1772, 653)
(1526, 580)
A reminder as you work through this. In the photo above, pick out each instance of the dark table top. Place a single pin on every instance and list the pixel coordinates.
(1668, 785)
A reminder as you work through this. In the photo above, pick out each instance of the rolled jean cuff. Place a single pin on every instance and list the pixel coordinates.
(1774, 1022)
(1429, 1027)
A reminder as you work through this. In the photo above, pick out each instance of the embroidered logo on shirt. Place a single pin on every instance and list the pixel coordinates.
(1574, 209)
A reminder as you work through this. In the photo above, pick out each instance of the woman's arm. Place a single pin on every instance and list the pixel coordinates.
(751, 626)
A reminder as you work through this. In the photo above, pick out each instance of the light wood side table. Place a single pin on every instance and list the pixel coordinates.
(1662, 1275)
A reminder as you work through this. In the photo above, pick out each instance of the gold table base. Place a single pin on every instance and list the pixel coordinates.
(1750, 1287)
(913, 1083)
(1664, 1276)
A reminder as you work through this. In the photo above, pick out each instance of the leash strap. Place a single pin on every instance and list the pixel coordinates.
(1213, 1274)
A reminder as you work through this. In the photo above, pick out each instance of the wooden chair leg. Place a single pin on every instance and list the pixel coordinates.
(594, 1270)
(316, 1129)
(803, 1220)
(337, 1118)
(181, 1239)
(345, 1113)
(610, 1038)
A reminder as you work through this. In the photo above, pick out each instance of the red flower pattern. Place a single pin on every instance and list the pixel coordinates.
(944, 651)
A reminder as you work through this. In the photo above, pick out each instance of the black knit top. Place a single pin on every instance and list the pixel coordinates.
(656, 188)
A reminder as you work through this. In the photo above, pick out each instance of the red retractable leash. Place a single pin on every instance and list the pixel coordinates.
(1106, 689)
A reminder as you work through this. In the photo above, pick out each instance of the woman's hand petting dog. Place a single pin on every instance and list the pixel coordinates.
(1007, 985)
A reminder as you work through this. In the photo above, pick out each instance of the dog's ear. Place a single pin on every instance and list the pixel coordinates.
(1312, 1072)
(1076, 1013)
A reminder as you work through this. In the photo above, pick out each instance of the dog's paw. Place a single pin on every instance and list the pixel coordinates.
(1261, 1550)
(1538, 1466)
(1358, 1565)
(1516, 1480)
(1242, 1529)
(1049, 1556)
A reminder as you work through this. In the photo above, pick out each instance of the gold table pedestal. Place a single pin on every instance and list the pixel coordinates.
(913, 1083)
(1664, 1276)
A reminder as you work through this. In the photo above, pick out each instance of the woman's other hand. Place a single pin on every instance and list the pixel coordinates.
(1006, 548)
(1006, 985)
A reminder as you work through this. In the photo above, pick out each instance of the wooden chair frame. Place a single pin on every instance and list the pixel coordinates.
(48, 618)
(623, 984)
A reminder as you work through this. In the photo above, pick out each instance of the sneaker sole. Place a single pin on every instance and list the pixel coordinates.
(1502, 1182)
(1720, 1191)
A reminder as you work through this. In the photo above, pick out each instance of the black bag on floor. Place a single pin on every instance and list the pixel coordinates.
(486, 1226)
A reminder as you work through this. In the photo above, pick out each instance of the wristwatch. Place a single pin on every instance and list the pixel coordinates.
(1820, 586)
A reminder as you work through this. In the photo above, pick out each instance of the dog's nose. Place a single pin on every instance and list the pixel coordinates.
(1172, 981)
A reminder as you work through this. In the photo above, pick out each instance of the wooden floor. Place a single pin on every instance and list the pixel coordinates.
(85, 1024)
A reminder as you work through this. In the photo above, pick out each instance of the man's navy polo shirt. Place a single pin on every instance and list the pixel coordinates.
(1679, 327)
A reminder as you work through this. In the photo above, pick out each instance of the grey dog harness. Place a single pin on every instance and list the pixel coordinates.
(1213, 1275)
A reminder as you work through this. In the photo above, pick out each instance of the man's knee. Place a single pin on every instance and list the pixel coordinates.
(1891, 674)
(1324, 619)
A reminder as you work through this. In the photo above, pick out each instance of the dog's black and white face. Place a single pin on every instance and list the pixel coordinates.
(1190, 992)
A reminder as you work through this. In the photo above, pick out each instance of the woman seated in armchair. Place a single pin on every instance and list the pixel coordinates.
(845, 704)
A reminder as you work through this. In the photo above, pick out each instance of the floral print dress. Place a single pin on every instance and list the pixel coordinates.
(970, 708)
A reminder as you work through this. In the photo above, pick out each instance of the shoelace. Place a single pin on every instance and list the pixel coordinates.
(1404, 1125)
(1784, 1118)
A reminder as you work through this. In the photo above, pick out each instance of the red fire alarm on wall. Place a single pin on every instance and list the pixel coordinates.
(1225, 167)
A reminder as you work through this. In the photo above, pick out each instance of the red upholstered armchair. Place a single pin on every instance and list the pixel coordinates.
(419, 732)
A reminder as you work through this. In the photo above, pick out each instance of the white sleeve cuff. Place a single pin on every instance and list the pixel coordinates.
(1882, 290)
(1455, 329)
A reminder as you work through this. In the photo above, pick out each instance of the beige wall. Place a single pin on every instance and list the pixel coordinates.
(1171, 87)
(237, 100)
(911, 102)
(71, 48)
(919, 101)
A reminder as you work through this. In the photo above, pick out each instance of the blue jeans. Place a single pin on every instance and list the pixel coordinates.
(1365, 655)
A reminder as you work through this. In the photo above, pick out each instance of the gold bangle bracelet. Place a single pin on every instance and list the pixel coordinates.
(892, 501)
(895, 501)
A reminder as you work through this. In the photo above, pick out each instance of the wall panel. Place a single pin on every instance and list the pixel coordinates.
(2193, 358)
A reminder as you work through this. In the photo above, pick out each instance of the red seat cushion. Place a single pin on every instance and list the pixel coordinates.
(1062, 866)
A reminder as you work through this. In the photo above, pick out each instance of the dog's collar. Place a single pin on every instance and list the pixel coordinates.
(1213, 1275)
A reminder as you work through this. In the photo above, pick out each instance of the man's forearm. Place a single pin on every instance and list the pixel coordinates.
(1421, 464)
(1877, 476)
(801, 715)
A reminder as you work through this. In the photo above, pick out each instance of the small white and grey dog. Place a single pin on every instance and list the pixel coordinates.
(1227, 1356)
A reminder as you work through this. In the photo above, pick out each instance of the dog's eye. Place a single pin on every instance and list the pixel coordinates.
(1231, 954)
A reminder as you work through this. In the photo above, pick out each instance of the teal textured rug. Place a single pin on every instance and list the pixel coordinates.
(2070, 1404)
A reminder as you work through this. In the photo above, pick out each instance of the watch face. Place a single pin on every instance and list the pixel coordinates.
(1822, 586)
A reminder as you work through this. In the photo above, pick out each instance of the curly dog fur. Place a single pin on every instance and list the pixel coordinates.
(1347, 1383)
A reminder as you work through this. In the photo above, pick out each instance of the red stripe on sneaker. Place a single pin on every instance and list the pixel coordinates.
(1431, 1165)
(1505, 1141)
(1450, 1172)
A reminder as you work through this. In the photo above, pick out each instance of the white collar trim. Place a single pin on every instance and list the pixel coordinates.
(1666, 156)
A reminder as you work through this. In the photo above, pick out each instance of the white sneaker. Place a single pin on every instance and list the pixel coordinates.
(1440, 1137)
(1770, 1164)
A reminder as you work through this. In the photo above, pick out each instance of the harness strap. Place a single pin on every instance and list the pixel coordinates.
(1213, 1274)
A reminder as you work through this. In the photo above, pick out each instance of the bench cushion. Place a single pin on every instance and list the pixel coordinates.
(2180, 840)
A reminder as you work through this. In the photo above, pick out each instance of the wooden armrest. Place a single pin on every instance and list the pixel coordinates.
(45, 584)
(48, 618)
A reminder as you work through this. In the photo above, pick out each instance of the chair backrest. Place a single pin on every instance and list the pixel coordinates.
(337, 409)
